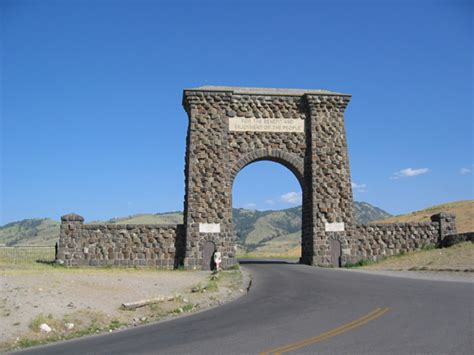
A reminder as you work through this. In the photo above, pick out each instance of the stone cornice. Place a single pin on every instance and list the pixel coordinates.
(72, 217)
(262, 91)
(327, 101)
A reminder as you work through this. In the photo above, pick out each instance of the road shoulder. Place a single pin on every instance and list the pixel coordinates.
(448, 276)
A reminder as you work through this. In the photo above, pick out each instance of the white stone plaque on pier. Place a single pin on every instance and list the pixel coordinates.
(242, 124)
(209, 228)
(334, 227)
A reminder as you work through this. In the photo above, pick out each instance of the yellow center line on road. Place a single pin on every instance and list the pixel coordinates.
(329, 334)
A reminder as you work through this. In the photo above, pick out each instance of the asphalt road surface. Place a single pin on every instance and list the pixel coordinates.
(295, 308)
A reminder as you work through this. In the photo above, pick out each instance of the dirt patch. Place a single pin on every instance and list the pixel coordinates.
(75, 302)
(459, 257)
(420, 275)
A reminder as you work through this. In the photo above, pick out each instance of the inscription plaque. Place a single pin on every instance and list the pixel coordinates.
(334, 227)
(209, 228)
(243, 124)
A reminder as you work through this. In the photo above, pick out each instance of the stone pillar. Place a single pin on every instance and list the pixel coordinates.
(327, 159)
(208, 205)
(69, 239)
(447, 225)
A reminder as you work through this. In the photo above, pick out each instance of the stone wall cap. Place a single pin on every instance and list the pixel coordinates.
(265, 91)
(131, 226)
(442, 215)
(72, 217)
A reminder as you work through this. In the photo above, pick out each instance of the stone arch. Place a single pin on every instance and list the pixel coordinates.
(290, 161)
(232, 127)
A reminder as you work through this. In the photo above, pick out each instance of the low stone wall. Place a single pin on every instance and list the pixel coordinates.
(453, 239)
(376, 241)
(119, 245)
(163, 246)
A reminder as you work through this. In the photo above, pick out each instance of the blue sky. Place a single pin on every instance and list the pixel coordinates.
(91, 116)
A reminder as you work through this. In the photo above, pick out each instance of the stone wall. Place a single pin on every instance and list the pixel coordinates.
(453, 239)
(163, 246)
(119, 245)
(376, 241)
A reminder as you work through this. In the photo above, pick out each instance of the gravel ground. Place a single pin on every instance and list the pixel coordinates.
(81, 296)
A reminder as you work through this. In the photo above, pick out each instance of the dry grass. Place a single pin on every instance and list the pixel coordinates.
(164, 218)
(459, 257)
(464, 211)
(294, 252)
(26, 254)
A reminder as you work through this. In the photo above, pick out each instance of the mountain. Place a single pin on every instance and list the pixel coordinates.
(254, 229)
(277, 232)
(365, 213)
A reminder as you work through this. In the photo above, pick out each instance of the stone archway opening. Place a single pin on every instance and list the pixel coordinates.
(267, 210)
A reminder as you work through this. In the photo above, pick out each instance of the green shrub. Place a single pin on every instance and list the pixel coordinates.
(115, 324)
(362, 262)
(26, 342)
(188, 307)
(37, 321)
(428, 247)
(212, 286)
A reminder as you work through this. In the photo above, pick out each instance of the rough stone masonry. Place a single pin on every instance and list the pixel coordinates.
(230, 128)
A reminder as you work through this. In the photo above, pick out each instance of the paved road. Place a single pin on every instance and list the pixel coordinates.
(300, 309)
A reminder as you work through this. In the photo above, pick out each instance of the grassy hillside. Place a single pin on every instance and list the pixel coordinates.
(159, 218)
(266, 231)
(464, 211)
(287, 244)
(279, 232)
(254, 227)
(459, 257)
(37, 231)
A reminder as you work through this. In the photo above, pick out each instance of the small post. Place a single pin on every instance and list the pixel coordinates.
(447, 225)
(70, 231)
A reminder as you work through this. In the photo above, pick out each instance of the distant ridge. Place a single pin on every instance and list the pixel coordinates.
(253, 228)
